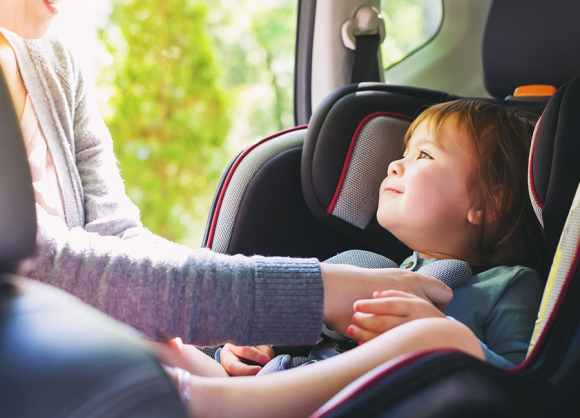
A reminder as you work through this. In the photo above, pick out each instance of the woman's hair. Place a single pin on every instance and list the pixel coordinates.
(501, 140)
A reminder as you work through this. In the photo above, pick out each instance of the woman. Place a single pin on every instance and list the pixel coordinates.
(92, 243)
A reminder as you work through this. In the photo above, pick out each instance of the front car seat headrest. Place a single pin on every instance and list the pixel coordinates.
(554, 172)
(17, 209)
(530, 42)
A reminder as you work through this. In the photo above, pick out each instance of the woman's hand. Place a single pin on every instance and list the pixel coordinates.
(234, 359)
(344, 285)
(388, 310)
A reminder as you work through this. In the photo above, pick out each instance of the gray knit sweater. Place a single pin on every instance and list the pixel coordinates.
(108, 259)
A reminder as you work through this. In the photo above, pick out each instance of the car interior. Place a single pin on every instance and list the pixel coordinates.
(303, 192)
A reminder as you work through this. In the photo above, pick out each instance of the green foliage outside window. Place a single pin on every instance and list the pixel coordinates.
(410, 24)
(254, 44)
(168, 113)
(186, 84)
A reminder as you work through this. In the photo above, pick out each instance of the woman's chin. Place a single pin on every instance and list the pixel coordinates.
(29, 30)
(33, 33)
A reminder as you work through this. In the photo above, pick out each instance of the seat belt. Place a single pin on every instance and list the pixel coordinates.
(364, 34)
(366, 59)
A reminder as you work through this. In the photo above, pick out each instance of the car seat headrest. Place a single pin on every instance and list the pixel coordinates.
(17, 210)
(554, 172)
(530, 42)
(351, 140)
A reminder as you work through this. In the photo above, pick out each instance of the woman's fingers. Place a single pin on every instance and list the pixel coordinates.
(392, 293)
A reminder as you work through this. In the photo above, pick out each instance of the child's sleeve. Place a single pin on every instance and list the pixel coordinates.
(510, 324)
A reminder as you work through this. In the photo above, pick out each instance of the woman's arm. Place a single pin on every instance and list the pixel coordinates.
(167, 290)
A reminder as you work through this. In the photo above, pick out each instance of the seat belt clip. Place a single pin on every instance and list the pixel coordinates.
(366, 21)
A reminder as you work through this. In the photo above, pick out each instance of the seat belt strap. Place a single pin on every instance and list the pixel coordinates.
(366, 65)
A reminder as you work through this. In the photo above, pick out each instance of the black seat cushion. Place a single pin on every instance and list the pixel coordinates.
(62, 358)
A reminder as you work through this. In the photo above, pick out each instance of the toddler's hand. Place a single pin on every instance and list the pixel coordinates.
(233, 359)
(386, 311)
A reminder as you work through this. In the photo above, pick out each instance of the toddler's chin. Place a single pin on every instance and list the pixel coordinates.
(384, 221)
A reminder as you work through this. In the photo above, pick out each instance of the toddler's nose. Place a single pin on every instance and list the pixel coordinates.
(395, 168)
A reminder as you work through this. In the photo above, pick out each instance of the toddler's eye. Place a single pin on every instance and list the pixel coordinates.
(424, 156)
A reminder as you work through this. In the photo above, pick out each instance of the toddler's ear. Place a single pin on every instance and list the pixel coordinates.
(493, 208)
(475, 216)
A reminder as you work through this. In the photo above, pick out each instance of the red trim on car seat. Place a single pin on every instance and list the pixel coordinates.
(530, 168)
(351, 149)
(370, 378)
(231, 173)
(540, 342)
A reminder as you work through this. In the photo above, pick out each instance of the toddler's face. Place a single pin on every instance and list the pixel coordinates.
(425, 200)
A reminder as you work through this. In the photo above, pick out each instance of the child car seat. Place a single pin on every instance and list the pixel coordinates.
(58, 356)
(548, 381)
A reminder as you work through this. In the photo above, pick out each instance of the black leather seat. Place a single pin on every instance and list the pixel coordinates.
(58, 356)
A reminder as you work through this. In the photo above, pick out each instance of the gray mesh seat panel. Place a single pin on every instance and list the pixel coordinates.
(453, 273)
(368, 167)
(361, 258)
(240, 179)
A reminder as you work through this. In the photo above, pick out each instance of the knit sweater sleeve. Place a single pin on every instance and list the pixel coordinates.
(161, 288)
(166, 290)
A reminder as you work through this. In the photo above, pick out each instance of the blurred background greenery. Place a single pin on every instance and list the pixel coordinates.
(184, 85)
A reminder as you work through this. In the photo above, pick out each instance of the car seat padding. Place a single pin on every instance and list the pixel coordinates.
(554, 172)
(240, 174)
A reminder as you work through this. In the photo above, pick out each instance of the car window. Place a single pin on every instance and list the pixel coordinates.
(410, 24)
